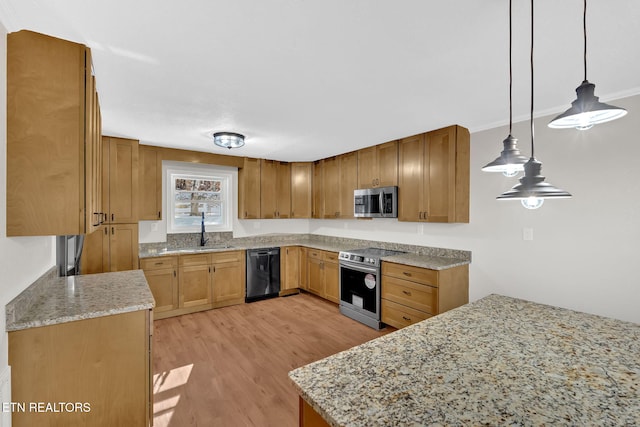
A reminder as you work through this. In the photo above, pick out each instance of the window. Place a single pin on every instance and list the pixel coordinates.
(194, 190)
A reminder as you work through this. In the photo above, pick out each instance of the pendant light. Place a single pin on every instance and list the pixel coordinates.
(228, 140)
(532, 190)
(510, 161)
(586, 110)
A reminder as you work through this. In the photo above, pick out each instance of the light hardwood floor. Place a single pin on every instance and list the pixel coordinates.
(228, 367)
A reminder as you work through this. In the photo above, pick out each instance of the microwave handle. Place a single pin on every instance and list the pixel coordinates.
(381, 203)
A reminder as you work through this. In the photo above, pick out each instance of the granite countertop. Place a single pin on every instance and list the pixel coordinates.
(54, 300)
(432, 262)
(497, 361)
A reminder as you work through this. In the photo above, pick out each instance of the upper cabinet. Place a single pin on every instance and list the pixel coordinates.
(317, 190)
(348, 183)
(301, 194)
(275, 189)
(53, 138)
(150, 183)
(120, 180)
(434, 176)
(249, 189)
(378, 165)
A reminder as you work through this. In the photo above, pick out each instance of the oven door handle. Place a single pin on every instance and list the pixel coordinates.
(359, 267)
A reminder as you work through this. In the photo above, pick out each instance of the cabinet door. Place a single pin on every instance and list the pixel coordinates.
(387, 164)
(164, 287)
(228, 283)
(123, 247)
(411, 153)
(304, 277)
(195, 285)
(283, 190)
(290, 268)
(348, 183)
(301, 194)
(150, 183)
(316, 276)
(331, 187)
(331, 281)
(123, 180)
(318, 190)
(95, 252)
(249, 189)
(367, 167)
(268, 189)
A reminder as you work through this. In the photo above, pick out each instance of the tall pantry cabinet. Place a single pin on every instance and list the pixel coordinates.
(53, 138)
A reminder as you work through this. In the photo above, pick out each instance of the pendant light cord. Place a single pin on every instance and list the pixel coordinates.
(510, 73)
(584, 27)
(532, 131)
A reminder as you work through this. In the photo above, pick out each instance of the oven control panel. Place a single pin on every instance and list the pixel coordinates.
(358, 259)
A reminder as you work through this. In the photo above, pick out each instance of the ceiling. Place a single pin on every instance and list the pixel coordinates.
(305, 79)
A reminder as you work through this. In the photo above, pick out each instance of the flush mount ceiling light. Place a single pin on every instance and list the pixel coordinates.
(510, 161)
(586, 110)
(532, 190)
(228, 140)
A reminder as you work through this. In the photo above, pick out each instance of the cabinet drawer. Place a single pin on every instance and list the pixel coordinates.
(199, 259)
(315, 253)
(233, 256)
(158, 263)
(409, 272)
(411, 294)
(330, 256)
(399, 316)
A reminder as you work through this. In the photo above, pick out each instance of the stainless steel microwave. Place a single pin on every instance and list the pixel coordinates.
(375, 202)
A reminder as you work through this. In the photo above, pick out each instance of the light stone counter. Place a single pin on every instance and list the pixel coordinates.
(497, 361)
(52, 300)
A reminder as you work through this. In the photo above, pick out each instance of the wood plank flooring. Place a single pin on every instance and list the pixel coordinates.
(228, 367)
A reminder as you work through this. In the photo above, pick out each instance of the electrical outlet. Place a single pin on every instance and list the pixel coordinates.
(527, 233)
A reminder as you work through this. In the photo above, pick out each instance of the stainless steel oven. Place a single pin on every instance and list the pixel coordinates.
(360, 284)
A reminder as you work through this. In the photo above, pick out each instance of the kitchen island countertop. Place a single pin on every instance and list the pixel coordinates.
(52, 300)
(497, 361)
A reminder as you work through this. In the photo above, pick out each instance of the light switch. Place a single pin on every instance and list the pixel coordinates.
(527, 233)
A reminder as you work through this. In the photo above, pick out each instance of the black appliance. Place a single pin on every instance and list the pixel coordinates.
(360, 284)
(68, 253)
(263, 274)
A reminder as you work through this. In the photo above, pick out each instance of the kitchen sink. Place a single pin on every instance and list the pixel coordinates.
(202, 248)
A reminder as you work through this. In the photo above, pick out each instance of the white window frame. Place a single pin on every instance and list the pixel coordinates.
(199, 171)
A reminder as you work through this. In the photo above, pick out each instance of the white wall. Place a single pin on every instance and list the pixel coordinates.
(22, 259)
(584, 250)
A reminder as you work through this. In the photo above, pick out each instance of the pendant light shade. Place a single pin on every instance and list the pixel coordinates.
(586, 110)
(532, 190)
(228, 140)
(510, 161)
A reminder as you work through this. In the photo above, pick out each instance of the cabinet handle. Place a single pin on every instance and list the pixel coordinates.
(159, 214)
(209, 269)
(159, 263)
(106, 231)
(113, 217)
(174, 273)
(408, 319)
(406, 273)
(406, 293)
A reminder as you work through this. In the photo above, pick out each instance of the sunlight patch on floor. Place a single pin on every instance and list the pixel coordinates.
(167, 388)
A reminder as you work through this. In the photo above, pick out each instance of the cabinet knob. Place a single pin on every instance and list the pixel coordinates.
(408, 319)
(406, 293)
(406, 273)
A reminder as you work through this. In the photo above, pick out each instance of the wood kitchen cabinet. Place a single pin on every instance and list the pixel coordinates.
(150, 183)
(228, 278)
(103, 361)
(289, 270)
(113, 247)
(323, 274)
(331, 187)
(275, 189)
(249, 189)
(348, 183)
(304, 275)
(340, 178)
(120, 180)
(378, 166)
(194, 280)
(162, 276)
(53, 138)
(434, 176)
(412, 294)
(301, 192)
(317, 189)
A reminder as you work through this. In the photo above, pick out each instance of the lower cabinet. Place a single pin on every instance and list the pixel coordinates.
(102, 364)
(323, 274)
(112, 247)
(195, 282)
(290, 273)
(412, 294)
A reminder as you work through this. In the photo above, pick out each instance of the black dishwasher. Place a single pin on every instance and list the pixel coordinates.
(263, 273)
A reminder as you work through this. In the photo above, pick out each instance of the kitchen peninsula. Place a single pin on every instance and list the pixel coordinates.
(497, 361)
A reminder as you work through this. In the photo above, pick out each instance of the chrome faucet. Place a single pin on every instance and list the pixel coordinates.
(203, 241)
